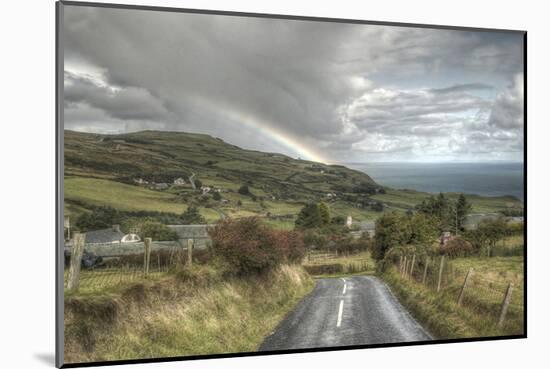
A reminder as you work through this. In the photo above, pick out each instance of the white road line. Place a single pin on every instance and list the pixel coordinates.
(344, 279)
(344, 291)
(340, 313)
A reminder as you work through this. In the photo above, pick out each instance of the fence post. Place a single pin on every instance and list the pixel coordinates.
(425, 274)
(412, 267)
(76, 260)
(461, 295)
(505, 304)
(440, 273)
(190, 251)
(405, 266)
(400, 263)
(146, 256)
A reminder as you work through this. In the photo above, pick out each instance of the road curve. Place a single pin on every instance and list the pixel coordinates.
(343, 312)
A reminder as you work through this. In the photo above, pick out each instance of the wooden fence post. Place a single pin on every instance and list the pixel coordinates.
(400, 263)
(461, 295)
(146, 256)
(440, 273)
(425, 274)
(190, 251)
(505, 303)
(76, 260)
(412, 267)
(405, 266)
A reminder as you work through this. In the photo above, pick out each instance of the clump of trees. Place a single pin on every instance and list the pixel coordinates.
(309, 217)
(250, 246)
(192, 216)
(394, 230)
(489, 232)
(450, 214)
(244, 190)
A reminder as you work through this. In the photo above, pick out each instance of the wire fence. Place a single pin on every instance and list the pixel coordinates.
(499, 299)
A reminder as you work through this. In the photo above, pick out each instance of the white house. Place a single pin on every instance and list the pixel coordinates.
(179, 182)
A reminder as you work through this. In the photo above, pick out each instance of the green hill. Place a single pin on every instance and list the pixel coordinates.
(104, 170)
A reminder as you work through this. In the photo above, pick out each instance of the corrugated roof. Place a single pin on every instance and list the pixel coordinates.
(107, 235)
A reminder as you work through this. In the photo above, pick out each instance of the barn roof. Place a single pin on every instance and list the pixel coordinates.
(191, 230)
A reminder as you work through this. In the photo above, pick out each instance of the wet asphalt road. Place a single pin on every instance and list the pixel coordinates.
(343, 312)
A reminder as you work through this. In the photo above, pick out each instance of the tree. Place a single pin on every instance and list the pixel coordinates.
(378, 206)
(244, 190)
(101, 217)
(324, 212)
(198, 183)
(462, 208)
(216, 196)
(192, 216)
(309, 217)
(338, 219)
(157, 231)
(391, 230)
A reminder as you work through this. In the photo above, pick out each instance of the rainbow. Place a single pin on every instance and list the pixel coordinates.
(266, 128)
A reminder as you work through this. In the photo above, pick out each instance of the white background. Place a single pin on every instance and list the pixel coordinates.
(28, 184)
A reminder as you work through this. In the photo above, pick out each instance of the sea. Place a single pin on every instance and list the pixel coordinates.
(486, 179)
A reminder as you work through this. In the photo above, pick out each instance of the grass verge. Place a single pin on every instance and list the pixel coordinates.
(197, 311)
(440, 314)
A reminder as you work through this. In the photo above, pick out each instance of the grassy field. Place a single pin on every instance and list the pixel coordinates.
(406, 199)
(98, 168)
(480, 309)
(194, 312)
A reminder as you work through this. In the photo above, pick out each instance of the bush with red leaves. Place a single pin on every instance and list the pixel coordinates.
(249, 246)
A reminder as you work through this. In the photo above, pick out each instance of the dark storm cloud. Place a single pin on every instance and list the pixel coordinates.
(348, 90)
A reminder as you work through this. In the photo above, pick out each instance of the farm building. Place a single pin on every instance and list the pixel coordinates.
(112, 235)
(196, 232)
(161, 186)
(179, 182)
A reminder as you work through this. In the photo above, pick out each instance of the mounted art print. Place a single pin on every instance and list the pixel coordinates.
(238, 184)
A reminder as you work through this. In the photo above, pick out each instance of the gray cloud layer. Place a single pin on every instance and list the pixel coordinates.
(351, 92)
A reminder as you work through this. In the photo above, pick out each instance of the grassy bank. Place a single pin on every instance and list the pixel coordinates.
(194, 312)
(478, 314)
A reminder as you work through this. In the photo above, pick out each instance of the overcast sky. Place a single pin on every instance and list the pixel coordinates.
(322, 91)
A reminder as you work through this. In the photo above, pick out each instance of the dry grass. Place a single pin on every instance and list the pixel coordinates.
(196, 312)
(479, 312)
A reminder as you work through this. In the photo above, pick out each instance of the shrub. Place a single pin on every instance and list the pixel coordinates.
(249, 246)
(243, 190)
(457, 247)
(246, 244)
(292, 245)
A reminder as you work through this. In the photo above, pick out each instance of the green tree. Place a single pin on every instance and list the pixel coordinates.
(192, 216)
(244, 190)
(99, 218)
(157, 231)
(324, 212)
(216, 196)
(461, 210)
(391, 230)
(309, 217)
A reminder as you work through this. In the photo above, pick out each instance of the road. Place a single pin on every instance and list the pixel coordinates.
(343, 312)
